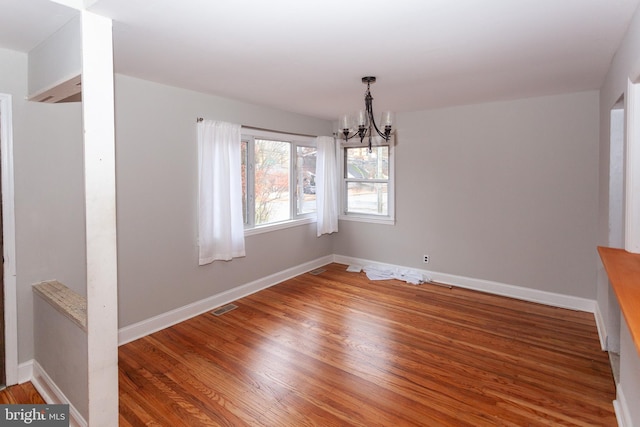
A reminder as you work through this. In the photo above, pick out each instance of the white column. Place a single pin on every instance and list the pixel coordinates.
(100, 206)
(9, 242)
(632, 173)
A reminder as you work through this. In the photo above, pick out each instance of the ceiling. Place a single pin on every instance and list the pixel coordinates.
(309, 56)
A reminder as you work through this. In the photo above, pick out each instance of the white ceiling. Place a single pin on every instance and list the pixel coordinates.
(309, 56)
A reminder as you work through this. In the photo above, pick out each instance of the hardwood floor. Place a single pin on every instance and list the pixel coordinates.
(20, 394)
(337, 349)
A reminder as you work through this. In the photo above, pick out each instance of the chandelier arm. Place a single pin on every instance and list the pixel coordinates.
(384, 135)
(369, 106)
(347, 137)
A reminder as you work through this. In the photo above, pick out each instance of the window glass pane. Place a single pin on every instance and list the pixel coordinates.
(306, 180)
(272, 193)
(367, 198)
(244, 160)
(360, 164)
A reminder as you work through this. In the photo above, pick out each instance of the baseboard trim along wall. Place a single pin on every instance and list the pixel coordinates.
(32, 371)
(496, 288)
(602, 328)
(52, 394)
(621, 407)
(162, 321)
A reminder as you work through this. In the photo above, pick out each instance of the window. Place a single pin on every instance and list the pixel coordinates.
(306, 180)
(367, 191)
(278, 179)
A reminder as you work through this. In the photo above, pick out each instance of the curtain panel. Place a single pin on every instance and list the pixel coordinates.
(220, 219)
(327, 185)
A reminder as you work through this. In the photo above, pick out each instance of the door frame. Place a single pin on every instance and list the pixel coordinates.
(9, 241)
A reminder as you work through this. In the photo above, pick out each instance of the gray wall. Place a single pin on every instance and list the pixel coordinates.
(157, 182)
(49, 198)
(60, 347)
(502, 191)
(156, 162)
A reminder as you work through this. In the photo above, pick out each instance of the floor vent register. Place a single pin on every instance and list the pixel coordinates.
(224, 309)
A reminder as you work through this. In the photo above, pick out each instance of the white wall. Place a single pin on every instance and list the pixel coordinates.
(501, 191)
(628, 392)
(625, 66)
(56, 60)
(48, 194)
(156, 162)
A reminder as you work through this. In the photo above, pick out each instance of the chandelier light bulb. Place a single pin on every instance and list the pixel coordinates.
(386, 119)
(362, 119)
(344, 122)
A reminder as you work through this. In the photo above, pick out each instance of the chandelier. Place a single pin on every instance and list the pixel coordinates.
(363, 124)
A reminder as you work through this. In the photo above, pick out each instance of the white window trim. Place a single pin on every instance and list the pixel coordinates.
(297, 220)
(274, 226)
(375, 219)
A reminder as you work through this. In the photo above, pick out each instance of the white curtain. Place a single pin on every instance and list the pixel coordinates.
(327, 185)
(220, 220)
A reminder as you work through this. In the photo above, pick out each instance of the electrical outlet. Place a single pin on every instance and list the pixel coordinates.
(425, 259)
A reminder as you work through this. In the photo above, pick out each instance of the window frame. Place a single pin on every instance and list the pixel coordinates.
(357, 216)
(249, 136)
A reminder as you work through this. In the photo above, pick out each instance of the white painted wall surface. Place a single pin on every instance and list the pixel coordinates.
(505, 191)
(9, 291)
(611, 221)
(57, 59)
(629, 386)
(625, 66)
(616, 179)
(632, 169)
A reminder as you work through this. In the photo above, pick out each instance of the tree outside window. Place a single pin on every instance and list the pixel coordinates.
(278, 180)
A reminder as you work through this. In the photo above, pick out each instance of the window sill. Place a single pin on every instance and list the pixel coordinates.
(278, 226)
(370, 219)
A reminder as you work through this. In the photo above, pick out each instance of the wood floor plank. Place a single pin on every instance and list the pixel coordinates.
(24, 393)
(337, 349)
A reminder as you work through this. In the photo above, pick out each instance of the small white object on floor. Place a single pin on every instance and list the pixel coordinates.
(354, 268)
(414, 277)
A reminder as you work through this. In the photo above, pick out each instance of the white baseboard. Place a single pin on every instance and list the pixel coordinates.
(621, 407)
(162, 321)
(602, 328)
(496, 288)
(52, 394)
(25, 372)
